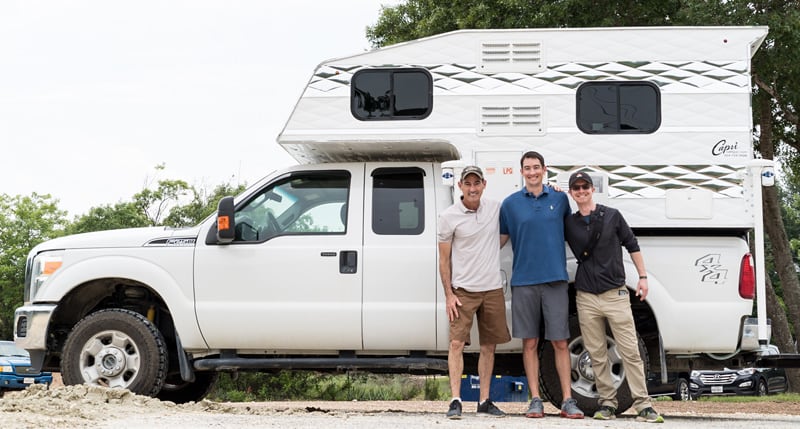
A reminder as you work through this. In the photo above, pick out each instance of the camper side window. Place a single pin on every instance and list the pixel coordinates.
(398, 201)
(388, 94)
(618, 107)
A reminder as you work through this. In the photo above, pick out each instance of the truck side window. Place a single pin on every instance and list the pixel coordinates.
(398, 201)
(387, 94)
(618, 107)
(303, 203)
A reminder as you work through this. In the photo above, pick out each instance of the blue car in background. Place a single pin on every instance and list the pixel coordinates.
(17, 373)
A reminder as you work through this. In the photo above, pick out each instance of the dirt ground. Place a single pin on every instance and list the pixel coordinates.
(98, 407)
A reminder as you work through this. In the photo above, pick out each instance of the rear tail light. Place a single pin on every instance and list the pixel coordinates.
(747, 278)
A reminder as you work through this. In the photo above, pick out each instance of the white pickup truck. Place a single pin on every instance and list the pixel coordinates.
(332, 265)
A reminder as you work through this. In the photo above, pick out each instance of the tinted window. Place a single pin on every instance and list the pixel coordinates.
(618, 107)
(386, 94)
(398, 203)
(303, 203)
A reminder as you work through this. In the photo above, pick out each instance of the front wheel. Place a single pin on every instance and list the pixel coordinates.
(681, 390)
(115, 348)
(584, 390)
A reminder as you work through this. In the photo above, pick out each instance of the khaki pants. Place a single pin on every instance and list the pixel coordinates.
(614, 306)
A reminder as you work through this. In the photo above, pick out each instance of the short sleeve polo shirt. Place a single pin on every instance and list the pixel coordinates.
(535, 225)
(475, 239)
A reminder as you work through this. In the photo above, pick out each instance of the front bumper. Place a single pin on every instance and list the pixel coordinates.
(30, 326)
(17, 382)
(741, 386)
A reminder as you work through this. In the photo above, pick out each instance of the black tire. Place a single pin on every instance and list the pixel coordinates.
(181, 392)
(761, 388)
(115, 348)
(681, 390)
(584, 390)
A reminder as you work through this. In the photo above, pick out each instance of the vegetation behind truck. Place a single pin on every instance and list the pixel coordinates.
(331, 264)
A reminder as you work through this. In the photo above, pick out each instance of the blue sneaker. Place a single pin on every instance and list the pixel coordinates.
(535, 409)
(570, 410)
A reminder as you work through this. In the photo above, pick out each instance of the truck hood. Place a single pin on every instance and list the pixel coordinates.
(15, 360)
(131, 237)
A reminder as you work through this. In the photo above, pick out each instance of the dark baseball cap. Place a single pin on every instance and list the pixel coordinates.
(580, 175)
(472, 169)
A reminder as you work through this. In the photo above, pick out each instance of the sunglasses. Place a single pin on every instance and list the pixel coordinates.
(585, 187)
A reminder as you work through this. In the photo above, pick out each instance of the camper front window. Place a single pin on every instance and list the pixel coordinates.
(387, 94)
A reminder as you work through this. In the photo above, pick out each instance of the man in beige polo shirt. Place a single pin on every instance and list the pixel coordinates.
(469, 264)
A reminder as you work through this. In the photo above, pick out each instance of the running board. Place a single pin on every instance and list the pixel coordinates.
(394, 364)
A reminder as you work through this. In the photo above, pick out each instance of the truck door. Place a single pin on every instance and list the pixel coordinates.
(291, 279)
(400, 266)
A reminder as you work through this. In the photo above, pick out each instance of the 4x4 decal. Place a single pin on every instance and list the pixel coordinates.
(710, 269)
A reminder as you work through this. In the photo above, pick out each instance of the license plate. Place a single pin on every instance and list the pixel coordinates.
(27, 380)
(716, 389)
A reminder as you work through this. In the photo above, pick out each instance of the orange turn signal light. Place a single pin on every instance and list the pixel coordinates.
(223, 223)
(50, 267)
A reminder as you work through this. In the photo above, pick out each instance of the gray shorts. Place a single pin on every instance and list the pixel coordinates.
(529, 304)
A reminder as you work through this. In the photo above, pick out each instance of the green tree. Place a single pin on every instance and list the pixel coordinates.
(414, 19)
(777, 94)
(25, 221)
(118, 216)
(203, 204)
(156, 204)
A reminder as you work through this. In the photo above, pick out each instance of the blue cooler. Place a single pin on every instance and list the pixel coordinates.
(504, 388)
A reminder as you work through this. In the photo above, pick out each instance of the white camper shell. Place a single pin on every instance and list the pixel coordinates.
(499, 93)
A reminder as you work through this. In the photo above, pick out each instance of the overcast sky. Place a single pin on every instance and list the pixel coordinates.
(94, 94)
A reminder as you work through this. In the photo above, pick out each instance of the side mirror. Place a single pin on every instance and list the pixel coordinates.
(225, 221)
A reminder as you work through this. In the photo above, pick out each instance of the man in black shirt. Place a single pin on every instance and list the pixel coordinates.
(596, 235)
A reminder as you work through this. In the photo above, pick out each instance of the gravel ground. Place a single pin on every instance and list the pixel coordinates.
(98, 407)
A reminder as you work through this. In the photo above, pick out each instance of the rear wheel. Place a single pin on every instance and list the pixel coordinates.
(115, 348)
(761, 388)
(180, 392)
(584, 390)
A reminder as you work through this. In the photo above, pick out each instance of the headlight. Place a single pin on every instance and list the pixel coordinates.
(694, 374)
(44, 265)
(5, 368)
(746, 371)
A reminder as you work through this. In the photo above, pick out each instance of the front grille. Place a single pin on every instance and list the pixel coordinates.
(25, 370)
(711, 379)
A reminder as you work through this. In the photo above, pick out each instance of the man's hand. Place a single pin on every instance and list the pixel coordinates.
(452, 304)
(641, 289)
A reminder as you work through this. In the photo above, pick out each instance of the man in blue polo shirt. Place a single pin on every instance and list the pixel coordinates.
(533, 219)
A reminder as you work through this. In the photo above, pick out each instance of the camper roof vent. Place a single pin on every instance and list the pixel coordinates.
(498, 56)
(511, 120)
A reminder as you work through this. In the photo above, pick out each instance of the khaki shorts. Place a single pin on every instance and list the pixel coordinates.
(490, 307)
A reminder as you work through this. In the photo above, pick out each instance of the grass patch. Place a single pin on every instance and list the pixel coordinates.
(307, 385)
(781, 397)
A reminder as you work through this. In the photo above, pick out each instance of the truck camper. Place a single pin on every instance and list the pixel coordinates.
(331, 264)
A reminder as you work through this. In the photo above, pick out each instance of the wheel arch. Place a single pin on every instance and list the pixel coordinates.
(120, 282)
